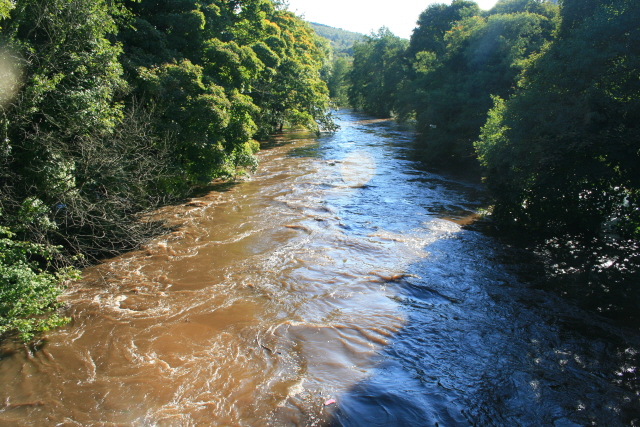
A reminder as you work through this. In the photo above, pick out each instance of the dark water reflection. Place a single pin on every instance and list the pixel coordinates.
(343, 270)
(480, 346)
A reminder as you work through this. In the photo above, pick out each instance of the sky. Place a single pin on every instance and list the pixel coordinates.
(364, 16)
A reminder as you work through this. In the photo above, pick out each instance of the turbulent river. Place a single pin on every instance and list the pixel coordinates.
(342, 285)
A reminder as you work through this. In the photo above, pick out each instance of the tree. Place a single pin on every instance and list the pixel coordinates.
(561, 155)
(71, 78)
(377, 73)
(435, 22)
(222, 73)
(337, 82)
(291, 91)
(67, 75)
(450, 86)
(28, 293)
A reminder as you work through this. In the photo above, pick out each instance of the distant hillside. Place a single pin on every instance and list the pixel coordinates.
(341, 40)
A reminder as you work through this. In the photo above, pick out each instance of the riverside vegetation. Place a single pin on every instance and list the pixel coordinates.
(114, 108)
(542, 100)
(110, 109)
(543, 97)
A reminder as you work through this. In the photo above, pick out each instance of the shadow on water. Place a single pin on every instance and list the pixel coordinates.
(312, 150)
(488, 340)
(283, 139)
(600, 274)
(217, 187)
(482, 348)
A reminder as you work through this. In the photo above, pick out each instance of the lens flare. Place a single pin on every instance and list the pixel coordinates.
(9, 76)
(358, 168)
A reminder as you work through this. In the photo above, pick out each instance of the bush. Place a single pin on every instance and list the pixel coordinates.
(28, 293)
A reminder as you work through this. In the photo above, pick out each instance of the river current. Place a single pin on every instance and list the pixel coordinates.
(342, 285)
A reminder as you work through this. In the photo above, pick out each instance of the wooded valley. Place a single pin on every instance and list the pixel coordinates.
(110, 109)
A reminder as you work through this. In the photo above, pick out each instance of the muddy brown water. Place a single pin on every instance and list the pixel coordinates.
(342, 270)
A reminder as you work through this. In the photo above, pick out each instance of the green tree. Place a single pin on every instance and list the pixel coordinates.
(71, 77)
(377, 73)
(221, 73)
(450, 86)
(435, 22)
(28, 293)
(337, 81)
(290, 91)
(562, 154)
(5, 8)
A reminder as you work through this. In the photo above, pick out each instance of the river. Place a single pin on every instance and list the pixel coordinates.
(342, 285)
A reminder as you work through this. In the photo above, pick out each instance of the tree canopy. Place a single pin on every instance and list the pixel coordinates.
(377, 72)
(460, 57)
(561, 154)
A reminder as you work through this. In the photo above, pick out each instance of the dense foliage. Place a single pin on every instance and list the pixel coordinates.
(221, 73)
(377, 73)
(562, 154)
(458, 57)
(338, 81)
(450, 89)
(109, 109)
(28, 293)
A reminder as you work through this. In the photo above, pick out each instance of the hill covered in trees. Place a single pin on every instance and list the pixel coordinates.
(112, 108)
(342, 41)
